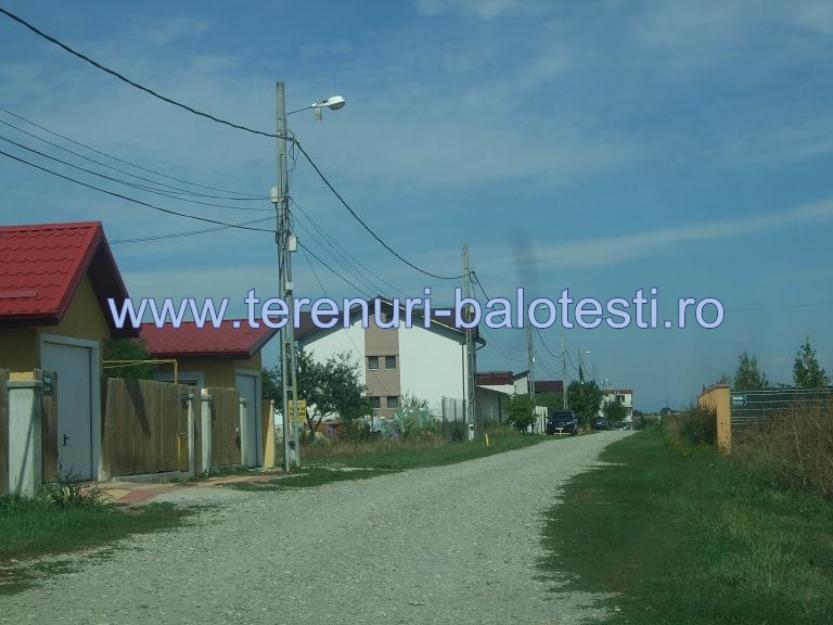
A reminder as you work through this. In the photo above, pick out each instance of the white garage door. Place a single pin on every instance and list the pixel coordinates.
(247, 387)
(74, 366)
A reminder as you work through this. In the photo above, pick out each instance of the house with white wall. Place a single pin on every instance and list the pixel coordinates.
(623, 395)
(429, 363)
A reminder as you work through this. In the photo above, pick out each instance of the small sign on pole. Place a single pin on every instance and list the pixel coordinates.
(298, 410)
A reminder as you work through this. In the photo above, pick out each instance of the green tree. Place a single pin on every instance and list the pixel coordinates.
(521, 411)
(584, 399)
(807, 373)
(272, 385)
(549, 400)
(748, 377)
(615, 412)
(331, 387)
(128, 349)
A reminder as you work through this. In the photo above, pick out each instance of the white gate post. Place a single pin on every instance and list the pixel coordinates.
(205, 428)
(245, 452)
(25, 453)
(192, 433)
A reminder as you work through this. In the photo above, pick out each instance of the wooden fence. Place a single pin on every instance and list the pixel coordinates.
(4, 433)
(142, 423)
(225, 427)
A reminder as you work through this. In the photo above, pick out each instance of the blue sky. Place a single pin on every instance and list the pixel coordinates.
(686, 146)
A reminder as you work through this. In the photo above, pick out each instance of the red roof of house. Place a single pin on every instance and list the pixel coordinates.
(494, 378)
(227, 341)
(41, 266)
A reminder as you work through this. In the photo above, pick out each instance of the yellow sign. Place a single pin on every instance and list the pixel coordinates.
(299, 414)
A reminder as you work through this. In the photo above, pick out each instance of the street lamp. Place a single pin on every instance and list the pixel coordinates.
(287, 244)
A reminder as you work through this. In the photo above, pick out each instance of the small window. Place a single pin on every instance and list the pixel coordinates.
(393, 402)
(372, 362)
(375, 401)
(390, 362)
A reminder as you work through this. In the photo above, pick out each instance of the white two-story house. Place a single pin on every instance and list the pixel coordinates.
(429, 363)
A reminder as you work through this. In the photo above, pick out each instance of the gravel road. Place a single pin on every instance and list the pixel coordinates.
(455, 544)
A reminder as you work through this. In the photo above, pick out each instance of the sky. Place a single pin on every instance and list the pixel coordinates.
(598, 146)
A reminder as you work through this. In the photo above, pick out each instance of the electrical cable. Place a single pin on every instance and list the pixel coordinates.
(126, 162)
(130, 199)
(133, 83)
(186, 233)
(127, 183)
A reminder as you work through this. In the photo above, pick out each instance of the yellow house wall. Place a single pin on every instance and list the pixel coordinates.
(219, 371)
(718, 398)
(84, 319)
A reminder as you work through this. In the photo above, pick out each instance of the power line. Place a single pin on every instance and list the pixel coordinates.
(186, 233)
(130, 199)
(326, 265)
(126, 162)
(346, 257)
(546, 347)
(166, 187)
(126, 183)
(133, 83)
(361, 221)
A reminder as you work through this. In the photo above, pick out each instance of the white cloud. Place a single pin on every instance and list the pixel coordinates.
(484, 9)
(614, 249)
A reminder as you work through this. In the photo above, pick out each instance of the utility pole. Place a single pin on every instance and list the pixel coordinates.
(530, 357)
(564, 372)
(471, 358)
(287, 244)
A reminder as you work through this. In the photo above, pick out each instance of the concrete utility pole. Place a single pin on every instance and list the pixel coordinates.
(530, 357)
(471, 356)
(287, 244)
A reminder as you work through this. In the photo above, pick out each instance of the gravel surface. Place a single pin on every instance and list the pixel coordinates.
(455, 544)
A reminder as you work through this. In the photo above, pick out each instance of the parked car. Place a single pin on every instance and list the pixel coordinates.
(599, 423)
(562, 422)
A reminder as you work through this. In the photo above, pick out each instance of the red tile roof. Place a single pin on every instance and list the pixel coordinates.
(494, 378)
(41, 266)
(208, 341)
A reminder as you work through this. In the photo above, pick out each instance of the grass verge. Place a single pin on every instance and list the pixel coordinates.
(398, 455)
(30, 528)
(690, 540)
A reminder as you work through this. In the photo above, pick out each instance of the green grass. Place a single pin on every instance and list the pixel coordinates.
(689, 540)
(32, 528)
(400, 455)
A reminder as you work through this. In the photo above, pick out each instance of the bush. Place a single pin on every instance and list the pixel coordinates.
(73, 495)
(794, 450)
(521, 412)
(694, 427)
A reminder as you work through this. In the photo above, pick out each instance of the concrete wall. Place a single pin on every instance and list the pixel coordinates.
(326, 343)
(718, 399)
(492, 406)
(432, 365)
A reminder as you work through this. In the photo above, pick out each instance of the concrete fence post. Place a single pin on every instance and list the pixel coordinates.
(192, 434)
(205, 428)
(25, 423)
(245, 452)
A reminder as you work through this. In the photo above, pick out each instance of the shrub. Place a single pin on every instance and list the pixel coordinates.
(794, 450)
(694, 427)
(521, 411)
(73, 495)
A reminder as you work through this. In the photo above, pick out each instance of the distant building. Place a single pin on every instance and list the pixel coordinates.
(429, 363)
(623, 395)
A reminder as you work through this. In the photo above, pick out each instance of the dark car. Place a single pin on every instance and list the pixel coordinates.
(562, 422)
(599, 423)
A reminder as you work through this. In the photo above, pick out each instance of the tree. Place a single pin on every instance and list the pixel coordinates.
(521, 411)
(272, 385)
(128, 349)
(584, 399)
(747, 376)
(615, 412)
(331, 387)
(549, 400)
(807, 373)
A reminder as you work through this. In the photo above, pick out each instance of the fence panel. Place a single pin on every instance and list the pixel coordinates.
(4, 433)
(142, 419)
(225, 420)
(753, 407)
(49, 429)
